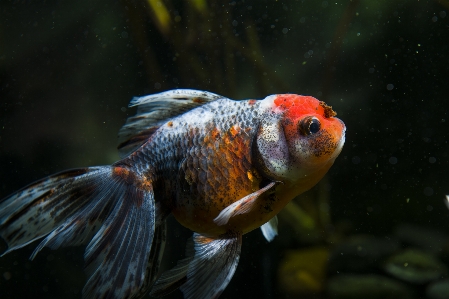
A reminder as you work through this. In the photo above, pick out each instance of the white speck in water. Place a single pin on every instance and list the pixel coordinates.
(429, 208)
(302, 20)
(371, 70)
(390, 86)
(428, 191)
(356, 160)
(432, 160)
(358, 33)
(157, 85)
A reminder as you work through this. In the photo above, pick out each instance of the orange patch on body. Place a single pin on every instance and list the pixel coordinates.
(213, 135)
(252, 102)
(234, 130)
(170, 124)
(198, 100)
(131, 178)
(120, 171)
(250, 175)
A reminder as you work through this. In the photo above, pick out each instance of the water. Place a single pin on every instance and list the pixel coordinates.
(68, 71)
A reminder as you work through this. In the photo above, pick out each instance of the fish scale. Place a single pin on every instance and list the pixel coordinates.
(201, 162)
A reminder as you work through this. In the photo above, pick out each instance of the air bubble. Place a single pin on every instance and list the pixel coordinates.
(428, 191)
(393, 160)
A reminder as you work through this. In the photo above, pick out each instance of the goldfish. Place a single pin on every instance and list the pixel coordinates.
(221, 167)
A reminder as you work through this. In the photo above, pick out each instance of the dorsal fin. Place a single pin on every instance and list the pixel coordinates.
(155, 110)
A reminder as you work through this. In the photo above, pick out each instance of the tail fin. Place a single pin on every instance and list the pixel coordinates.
(97, 204)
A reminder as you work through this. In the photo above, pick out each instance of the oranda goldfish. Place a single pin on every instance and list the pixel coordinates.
(221, 167)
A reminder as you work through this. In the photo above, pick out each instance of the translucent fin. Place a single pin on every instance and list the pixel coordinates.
(270, 229)
(155, 259)
(45, 205)
(241, 206)
(171, 280)
(155, 110)
(75, 205)
(207, 270)
(117, 256)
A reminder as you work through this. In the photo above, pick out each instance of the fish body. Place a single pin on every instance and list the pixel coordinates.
(221, 167)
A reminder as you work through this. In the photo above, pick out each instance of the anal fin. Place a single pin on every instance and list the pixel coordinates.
(207, 269)
(270, 229)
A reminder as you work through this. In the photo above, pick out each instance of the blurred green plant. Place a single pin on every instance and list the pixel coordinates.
(202, 41)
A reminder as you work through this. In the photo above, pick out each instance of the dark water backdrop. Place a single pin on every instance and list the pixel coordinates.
(69, 68)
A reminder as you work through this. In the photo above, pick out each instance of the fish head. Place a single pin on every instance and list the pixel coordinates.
(298, 137)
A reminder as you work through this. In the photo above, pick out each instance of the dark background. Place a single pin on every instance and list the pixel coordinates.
(69, 68)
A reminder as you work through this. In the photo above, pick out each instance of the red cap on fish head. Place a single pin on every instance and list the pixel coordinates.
(297, 105)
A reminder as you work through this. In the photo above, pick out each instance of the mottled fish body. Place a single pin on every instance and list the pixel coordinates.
(221, 167)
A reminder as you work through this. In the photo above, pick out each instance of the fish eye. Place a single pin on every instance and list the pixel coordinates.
(309, 125)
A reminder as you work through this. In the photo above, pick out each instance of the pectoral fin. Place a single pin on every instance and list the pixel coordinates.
(241, 206)
(270, 229)
(207, 269)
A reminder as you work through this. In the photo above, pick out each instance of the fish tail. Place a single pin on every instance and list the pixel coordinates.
(41, 207)
(105, 207)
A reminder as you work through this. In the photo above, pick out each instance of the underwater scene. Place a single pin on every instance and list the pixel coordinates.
(374, 225)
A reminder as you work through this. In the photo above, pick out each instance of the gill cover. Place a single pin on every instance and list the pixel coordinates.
(271, 149)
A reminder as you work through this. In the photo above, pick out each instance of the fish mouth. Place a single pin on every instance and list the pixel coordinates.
(341, 140)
